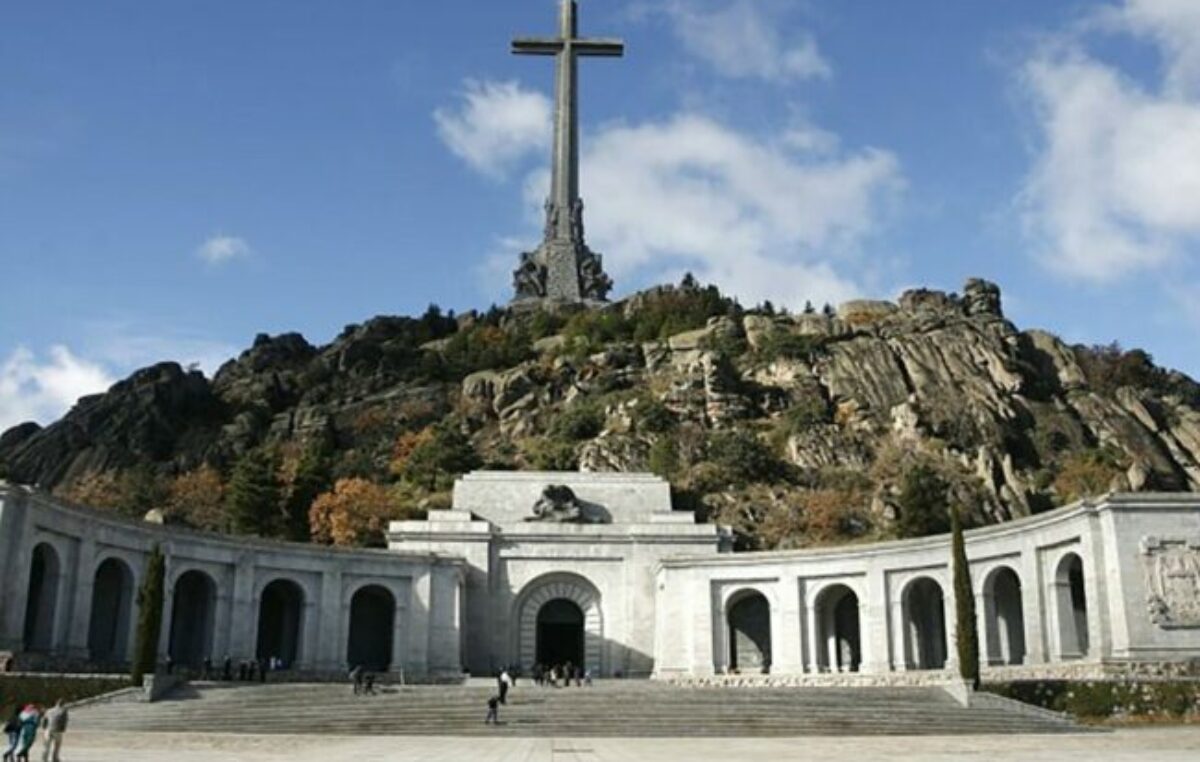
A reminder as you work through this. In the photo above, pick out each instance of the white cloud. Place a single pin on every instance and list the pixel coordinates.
(765, 217)
(1115, 188)
(496, 125)
(745, 39)
(222, 248)
(41, 389)
(122, 344)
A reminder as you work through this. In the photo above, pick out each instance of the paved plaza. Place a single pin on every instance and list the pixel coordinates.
(1157, 744)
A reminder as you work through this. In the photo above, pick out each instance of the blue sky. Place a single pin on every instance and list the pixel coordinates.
(176, 177)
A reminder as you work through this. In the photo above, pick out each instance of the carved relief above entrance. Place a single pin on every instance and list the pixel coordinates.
(1172, 568)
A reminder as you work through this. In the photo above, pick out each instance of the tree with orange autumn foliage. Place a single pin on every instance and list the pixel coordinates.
(196, 499)
(355, 514)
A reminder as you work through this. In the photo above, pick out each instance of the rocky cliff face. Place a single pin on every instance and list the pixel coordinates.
(843, 402)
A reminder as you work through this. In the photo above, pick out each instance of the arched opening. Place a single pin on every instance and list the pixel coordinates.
(41, 604)
(280, 616)
(1072, 608)
(560, 633)
(549, 615)
(112, 606)
(192, 611)
(839, 640)
(372, 623)
(749, 620)
(925, 624)
(1005, 617)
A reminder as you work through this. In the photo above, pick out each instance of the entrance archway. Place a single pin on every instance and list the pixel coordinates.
(749, 618)
(192, 615)
(372, 624)
(1072, 608)
(925, 624)
(1005, 617)
(41, 604)
(112, 605)
(560, 633)
(839, 646)
(544, 602)
(280, 616)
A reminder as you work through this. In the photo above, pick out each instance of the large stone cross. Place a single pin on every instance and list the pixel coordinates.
(563, 268)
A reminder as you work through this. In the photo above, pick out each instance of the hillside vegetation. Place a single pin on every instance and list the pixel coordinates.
(796, 429)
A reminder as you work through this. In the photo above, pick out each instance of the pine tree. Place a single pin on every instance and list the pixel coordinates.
(252, 500)
(923, 503)
(966, 639)
(149, 625)
(313, 477)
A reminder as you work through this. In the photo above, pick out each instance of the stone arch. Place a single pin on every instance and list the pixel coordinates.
(111, 613)
(193, 615)
(839, 636)
(924, 607)
(372, 626)
(41, 601)
(1004, 617)
(1071, 597)
(748, 617)
(281, 622)
(560, 587)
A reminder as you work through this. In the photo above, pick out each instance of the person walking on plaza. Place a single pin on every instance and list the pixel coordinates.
(505, 682)
(493, 715)
(356, 677)
(55, 725)
(12, 734)
(31, 717)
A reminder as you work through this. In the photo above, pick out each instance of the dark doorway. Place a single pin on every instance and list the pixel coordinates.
(840, 649)
(112, 596)
(372, 623)
(750, 634)
(280, 614)
(42, 601)
(192, 609)
(925, 608)
(560, 633)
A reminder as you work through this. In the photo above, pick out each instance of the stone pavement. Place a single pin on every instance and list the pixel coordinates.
(1156, 744)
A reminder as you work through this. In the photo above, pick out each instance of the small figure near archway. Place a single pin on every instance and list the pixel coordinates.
(749, 619)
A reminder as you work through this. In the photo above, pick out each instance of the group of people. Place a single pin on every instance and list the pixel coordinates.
(561, 675)
(364, 681)
(21, 730)
(248, 670)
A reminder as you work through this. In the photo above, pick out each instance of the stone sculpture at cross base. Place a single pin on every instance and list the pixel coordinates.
(563, 270)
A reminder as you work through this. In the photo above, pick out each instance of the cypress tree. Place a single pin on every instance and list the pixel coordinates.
(149, 625)
(253, 495)
(966, 638)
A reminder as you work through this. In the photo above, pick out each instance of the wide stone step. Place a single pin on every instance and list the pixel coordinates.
(624, 708)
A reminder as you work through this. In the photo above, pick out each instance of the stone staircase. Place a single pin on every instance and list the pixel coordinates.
(608, 709)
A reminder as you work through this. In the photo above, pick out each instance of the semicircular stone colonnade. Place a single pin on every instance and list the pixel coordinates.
(599, 571)
(73, 576)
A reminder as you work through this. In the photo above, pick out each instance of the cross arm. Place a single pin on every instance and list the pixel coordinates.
(537, 46)
(599, 47)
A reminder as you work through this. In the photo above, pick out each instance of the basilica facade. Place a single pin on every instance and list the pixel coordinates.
(599, 571)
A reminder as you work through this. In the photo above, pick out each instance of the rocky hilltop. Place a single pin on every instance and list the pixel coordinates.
(794, 428)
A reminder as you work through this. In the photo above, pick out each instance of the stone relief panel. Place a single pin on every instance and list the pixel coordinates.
(1172, 568)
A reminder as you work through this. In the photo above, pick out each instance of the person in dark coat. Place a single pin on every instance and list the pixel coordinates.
(493, 715)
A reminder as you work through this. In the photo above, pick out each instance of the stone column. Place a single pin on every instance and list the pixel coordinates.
(81, 604)
(787, 657)
(812, 627)
(1033, 606)
(243, 630)
(899, 630)
(329, 652)
(416, 662)
(874, 625)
